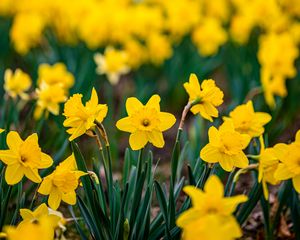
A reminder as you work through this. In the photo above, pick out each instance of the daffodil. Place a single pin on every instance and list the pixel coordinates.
(145, 123)
(113, 63)
(23, 158)
(268, 163)
(79, 117)
(61, 184)
(41, 211)
(210, 209)
(289, 166)
(208, 36)
(30, 230)
(246, 120)
(55, 74)
(48, 99)
(226, 147)
(208, 95)
(17, 83)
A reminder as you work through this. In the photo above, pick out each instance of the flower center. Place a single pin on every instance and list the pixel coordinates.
(146, 122)
(23, 159)
(211, 210)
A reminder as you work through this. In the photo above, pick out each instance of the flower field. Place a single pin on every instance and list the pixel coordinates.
(149, 119)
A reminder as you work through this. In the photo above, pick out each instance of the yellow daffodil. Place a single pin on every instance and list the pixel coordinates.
(55, 74)
(210, 209)
(34, 216)
(61, 184)
(48, 99)
(23, 37)
(16, 84)
(277, 65)
(246, 120)
(208, 95)
(145, 122)
(159, 48)
(289, 166)
(208, 36)
(23, 158)
(80, 118)
(268, 163)
(113, 63)
(30, 230)
(226, 147)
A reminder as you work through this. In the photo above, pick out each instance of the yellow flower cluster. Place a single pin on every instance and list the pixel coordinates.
(211, 214)
(54, 83)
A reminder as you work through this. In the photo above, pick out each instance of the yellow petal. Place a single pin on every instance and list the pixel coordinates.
(214, 136)
(214, 187)
(32, 174)
(138, 140)
(167, 120)
(153, 102)
(297, 138)
(240, 160)
(262, 118)
(41, 210)
(54, 198)
(46, 186)
(227, 162)
(69, 198)
(26, 214)
(13, 141)
(14, 174)
(231, 203)
(296, 183)
(282, 172)
(156, 138)
(189, 216)
(2, 130)
(280, 151)
(8, 157)
(195, 194)
(210, 154)
(133, 105)
(265, 190)
(46, 161)
(125, 125)
(80, 130)
(193, 80)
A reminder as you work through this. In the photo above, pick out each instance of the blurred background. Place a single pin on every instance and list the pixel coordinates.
(137, 48)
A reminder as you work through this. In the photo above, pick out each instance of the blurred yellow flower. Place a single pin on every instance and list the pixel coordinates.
(34, 216)
(48, 99)
(208, 36)
(24, 37)
(61, 184)
(113, 63)
(208, 95)
(289, 166)
(210, 210)
(268, 163)
(16, 84)
(80, 118)
(55, 74)
(159, 48)
(145, 122)
(23, 158)
(31, 230)
(41, 211)
(246, 120)
(226, 147)
(276, 65)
